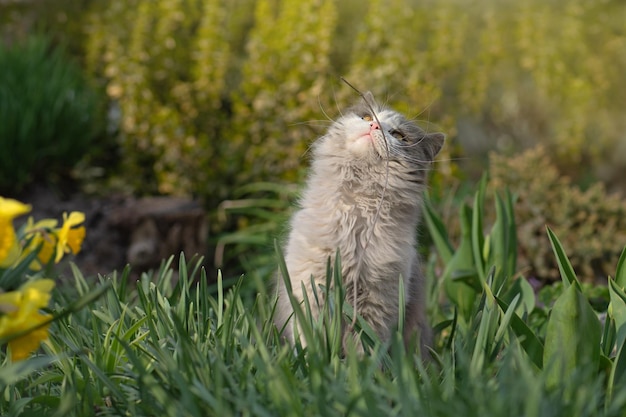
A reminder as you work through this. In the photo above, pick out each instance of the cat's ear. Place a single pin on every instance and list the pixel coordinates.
(433, 142)
(369, 99)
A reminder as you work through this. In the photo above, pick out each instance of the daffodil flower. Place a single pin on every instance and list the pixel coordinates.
(53, 242)
(21, 319)
(70, 235)
(9, 247)
(40, 235)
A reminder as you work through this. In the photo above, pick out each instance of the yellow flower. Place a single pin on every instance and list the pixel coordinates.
(53, 242)
(20, 316)
(70, 235)
(40, 233)
(9, 247)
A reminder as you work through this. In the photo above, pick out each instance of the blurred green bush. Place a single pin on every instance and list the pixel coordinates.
(591, 222)
(208, 97)
(215, 94)
(49, 113)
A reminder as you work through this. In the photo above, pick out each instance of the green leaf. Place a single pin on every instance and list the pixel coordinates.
(618, 371)
(468, 277)
(608, 336)
(460, 293)
(506, 319)
(11, 373)
(401, 306)
(504, 242)
(565, 267)
(521, 287)
(437, 231)
(11, 278)
(528, 340)
(620, 272)
(302, 311)
(617, 311)
(511, 235)
(572, 337)
(368, 335)
(489, 316)
(616, 327)
(478, 239)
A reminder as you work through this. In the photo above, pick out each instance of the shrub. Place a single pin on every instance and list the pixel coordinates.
(49, 114)
(284, 83)
(206, 107)
(590, 222)
(213, 96)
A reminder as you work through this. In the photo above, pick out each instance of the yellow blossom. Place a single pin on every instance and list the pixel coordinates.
(9, 247)
(21, 316)
(40, 235)
(70, 235)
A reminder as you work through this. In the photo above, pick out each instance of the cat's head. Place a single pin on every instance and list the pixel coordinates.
(358, 135)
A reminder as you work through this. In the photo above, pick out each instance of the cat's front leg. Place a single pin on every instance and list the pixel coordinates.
(416, 323)
(377, 317)
(287, 319)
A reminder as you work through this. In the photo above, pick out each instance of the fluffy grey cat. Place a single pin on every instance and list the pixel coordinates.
(363, 198)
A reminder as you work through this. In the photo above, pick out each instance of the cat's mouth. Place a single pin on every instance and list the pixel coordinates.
(367, 136)
(368, 144)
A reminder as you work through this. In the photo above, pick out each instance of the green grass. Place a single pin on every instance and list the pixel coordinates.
(184, 348)
(175, 345)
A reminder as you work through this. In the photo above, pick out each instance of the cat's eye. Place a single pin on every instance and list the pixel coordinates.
(367, 118)
(398, 135)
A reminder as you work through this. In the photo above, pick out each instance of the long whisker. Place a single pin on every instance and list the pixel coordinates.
(336, 102)
(312, 123)
(425, 110)
(330, 119)
(306, 151)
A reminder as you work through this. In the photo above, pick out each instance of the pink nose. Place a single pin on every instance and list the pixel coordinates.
(374, 126)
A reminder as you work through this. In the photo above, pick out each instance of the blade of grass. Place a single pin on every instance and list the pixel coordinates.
(620, 272)
(572, 337)
(565, 267)
(478, 239)
(437, 231)
(528, 339)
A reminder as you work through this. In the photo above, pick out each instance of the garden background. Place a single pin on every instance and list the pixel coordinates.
(218, 100)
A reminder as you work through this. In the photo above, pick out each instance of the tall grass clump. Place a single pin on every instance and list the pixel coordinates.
(49, 113)
(259, 213)
(172, 344)
(567, 337)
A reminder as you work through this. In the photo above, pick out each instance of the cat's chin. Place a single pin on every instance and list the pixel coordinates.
(367, 148)
(361, 146)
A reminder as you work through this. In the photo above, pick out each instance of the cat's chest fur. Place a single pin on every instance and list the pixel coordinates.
(375, 238)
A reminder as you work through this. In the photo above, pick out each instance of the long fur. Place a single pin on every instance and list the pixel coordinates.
(341, 209)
